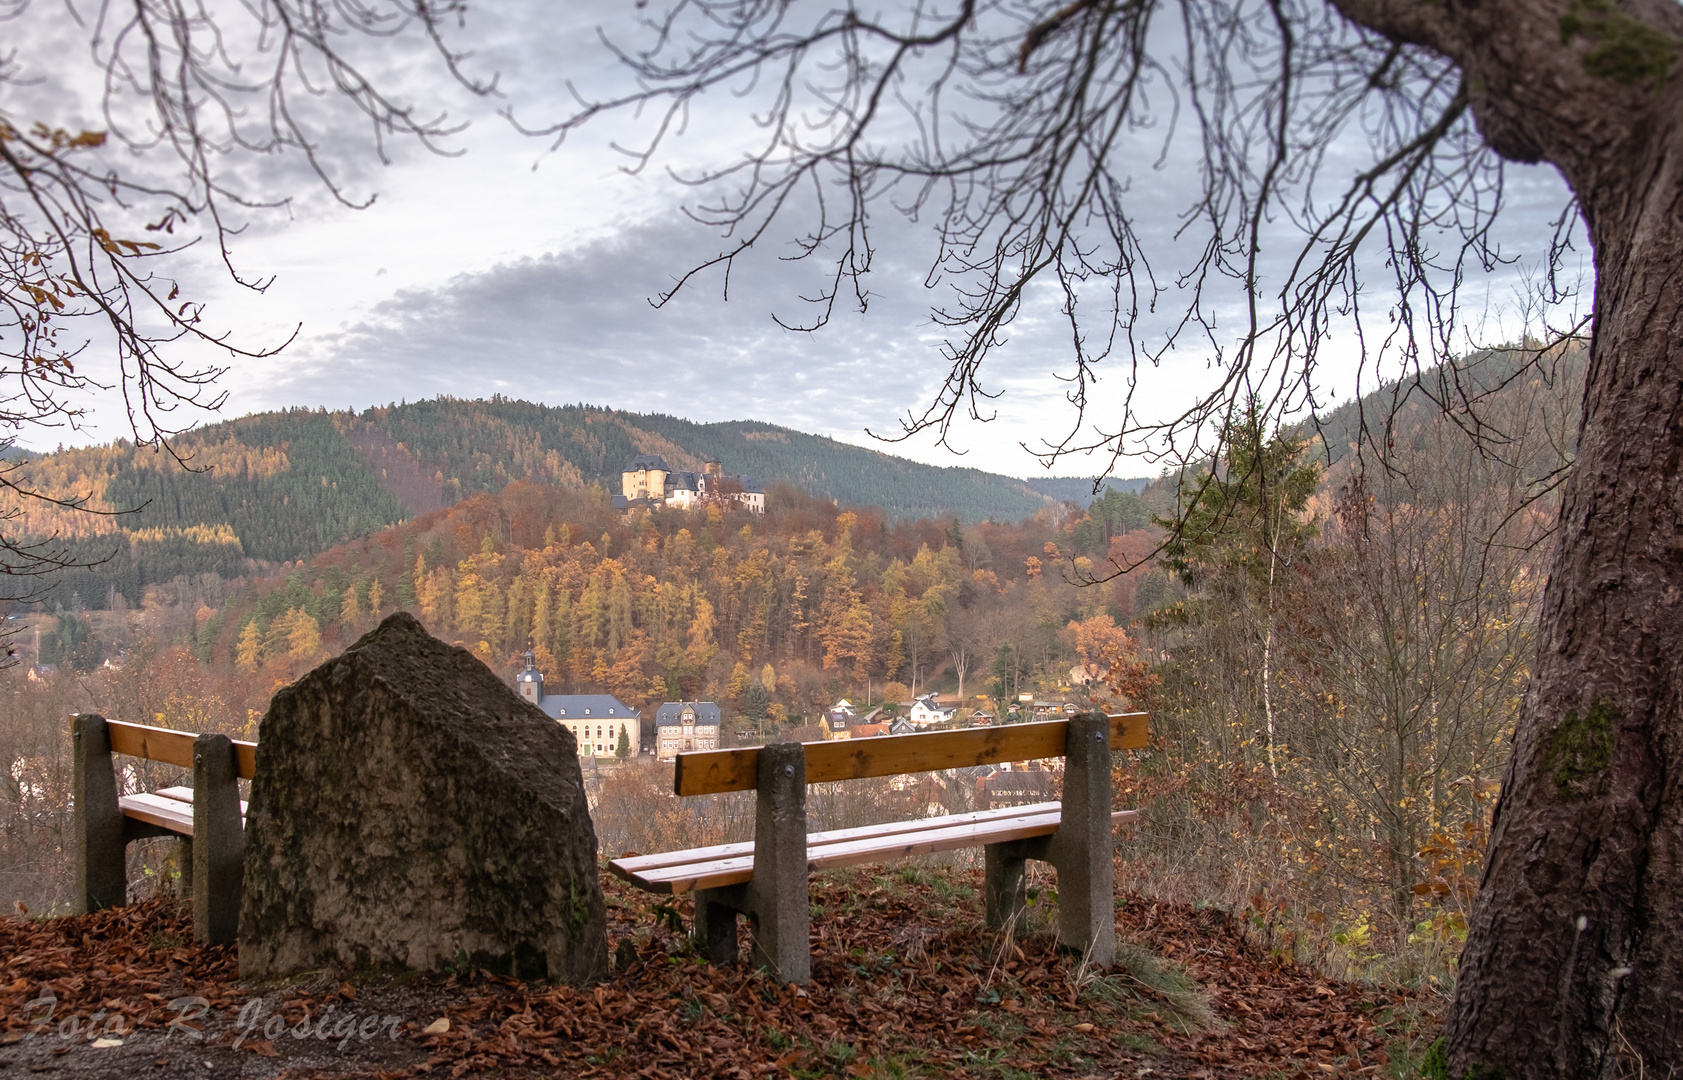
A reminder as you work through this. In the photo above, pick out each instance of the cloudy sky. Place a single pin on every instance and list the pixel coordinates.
(505, 268)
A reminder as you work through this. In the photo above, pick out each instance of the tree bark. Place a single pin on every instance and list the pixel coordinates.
(1574, 958)
(1574, 961)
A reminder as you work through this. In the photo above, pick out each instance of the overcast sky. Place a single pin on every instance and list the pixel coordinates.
(507, 269)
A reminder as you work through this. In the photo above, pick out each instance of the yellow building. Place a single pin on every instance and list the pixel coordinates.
(644, 478)
(596, 720)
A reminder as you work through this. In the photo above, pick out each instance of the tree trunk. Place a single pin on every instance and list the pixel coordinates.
(1574, 958)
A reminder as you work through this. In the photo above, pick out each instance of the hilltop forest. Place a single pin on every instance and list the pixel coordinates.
(282, 486)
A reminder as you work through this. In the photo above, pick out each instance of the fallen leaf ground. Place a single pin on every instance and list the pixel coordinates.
(906, 983)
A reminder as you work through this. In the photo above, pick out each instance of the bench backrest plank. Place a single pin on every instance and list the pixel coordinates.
(172, 747)
(711, 771)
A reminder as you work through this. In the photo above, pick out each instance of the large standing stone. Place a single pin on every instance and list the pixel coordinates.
(411, 809)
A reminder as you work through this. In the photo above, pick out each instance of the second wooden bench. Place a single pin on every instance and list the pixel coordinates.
(766, 879)
(208, 817)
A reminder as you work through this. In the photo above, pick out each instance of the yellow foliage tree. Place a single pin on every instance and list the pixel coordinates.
(248, 653)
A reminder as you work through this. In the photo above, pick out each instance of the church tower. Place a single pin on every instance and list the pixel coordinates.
(530, 682)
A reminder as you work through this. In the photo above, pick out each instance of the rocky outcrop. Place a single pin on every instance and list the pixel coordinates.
(411, 809)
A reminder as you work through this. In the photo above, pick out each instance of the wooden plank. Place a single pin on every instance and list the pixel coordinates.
(185, 795)
(635, 864)
(172, 747)
(687, 874)
(170, 814)
(837, 855)
(151, 743)
(712, 771)
(716, 873)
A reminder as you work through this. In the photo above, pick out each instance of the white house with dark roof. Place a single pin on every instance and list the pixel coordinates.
(926, 713)
(685, 726)
(595, 720)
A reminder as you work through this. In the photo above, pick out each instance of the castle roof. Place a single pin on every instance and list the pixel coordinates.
(646, 463)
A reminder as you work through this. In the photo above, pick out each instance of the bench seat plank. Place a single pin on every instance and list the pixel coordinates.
(628, 866)
(185, 794)
(171, 814)
(935, 835)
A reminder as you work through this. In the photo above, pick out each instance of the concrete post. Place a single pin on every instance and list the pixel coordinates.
(715, 922)
(1004, 895)
(101, 868)
(184, 864)
(218, 841)
(1082, 849)
(777, 896)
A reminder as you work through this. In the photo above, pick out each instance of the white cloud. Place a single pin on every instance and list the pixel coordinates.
(479, 274)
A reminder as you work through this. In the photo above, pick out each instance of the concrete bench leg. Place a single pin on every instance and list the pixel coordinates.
(715, 922)
(1083, 849)
(1004, 889)
(101, 866)
(218, 841)
(184, 865)
(777, 899)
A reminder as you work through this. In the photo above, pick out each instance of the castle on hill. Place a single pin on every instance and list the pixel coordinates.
(647, 481)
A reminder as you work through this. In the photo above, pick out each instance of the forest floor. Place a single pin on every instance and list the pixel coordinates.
(906, 982)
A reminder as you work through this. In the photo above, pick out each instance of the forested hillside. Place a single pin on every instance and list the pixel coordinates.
(805, 603)
(282, 486)
(1080, 489)
(1333, 656)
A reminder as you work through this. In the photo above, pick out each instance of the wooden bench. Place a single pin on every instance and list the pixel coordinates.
(208, 817)
(766, 879)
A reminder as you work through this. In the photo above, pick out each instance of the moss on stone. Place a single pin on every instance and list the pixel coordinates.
(1626, 50)
(1579, 751)
(577, 912)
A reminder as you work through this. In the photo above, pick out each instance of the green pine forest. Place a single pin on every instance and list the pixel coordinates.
(274, 488)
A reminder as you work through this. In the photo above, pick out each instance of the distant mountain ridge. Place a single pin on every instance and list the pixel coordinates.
(285, 485)
(1079, 489)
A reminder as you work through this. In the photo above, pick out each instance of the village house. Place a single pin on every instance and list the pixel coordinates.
(926, 712)
(682, 727)
(596, 720)
(1022, 783)
(838, 720)
(647, 481)
(842, 721)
